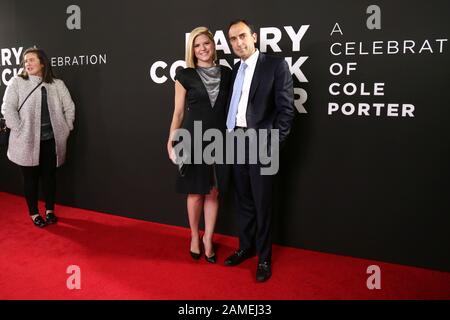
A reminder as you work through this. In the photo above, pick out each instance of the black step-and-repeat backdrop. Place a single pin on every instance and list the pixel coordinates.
(366, 169)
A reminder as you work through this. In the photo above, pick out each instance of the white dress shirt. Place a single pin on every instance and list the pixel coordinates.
(241, 120)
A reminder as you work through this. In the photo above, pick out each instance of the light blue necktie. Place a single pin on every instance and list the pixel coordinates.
(237, 90)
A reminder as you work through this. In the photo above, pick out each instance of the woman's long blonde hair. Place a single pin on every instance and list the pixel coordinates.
(191, 60)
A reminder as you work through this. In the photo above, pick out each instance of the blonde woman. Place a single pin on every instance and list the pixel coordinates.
(201, 94)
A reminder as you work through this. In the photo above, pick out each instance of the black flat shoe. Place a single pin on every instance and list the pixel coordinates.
(39, 222)
(51, 218)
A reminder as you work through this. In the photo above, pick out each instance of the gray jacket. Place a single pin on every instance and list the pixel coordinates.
(24, 141)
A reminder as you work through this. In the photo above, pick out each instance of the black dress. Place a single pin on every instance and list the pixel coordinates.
(200, 178)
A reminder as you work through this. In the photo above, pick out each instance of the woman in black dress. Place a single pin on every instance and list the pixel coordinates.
(201, 94)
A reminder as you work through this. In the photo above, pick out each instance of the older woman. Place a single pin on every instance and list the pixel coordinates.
(201, 92)
(38, 109)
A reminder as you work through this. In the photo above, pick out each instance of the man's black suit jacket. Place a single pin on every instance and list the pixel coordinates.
(271, 97)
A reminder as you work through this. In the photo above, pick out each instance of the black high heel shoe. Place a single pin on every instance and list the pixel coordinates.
(211, 259)
(195, 255)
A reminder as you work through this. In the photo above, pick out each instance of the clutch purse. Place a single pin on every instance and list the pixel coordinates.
(182, 168)
(4, 133)
(181, 163)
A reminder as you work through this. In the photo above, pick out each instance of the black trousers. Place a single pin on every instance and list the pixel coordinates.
(46, 171)
(253, 201)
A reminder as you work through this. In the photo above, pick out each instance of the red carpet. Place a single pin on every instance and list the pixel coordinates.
(123, 258)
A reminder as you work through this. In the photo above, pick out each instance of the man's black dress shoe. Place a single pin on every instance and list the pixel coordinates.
(263, 272)
(39, 222)
(51, 218)
(237, 257)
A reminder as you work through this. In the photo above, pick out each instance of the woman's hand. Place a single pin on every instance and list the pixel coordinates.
(171, 152)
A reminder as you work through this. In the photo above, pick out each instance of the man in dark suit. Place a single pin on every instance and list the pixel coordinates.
(262, 98)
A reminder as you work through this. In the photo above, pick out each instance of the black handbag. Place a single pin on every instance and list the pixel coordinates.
(181, 162)
(182, 168)
(4, 130)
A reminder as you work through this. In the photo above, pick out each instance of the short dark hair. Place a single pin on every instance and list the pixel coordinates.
(47, 74)
(246, 22)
